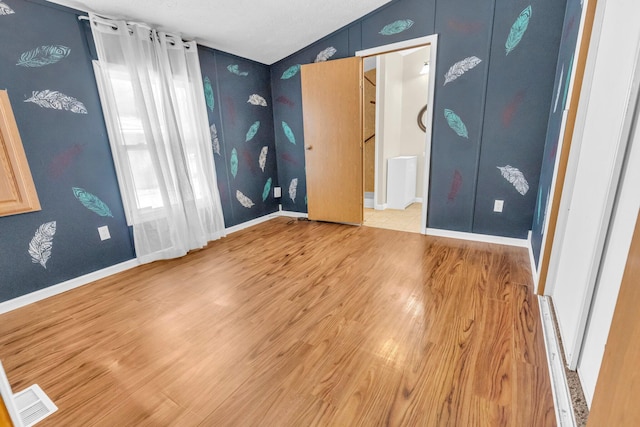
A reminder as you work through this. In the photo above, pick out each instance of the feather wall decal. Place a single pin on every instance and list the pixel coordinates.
(518, 29)
(293, 188)
(325, 54)
(42, 243)
(515, 177)
(266, 190)
(57, 101)
(235, 69)
(284, 100)
(456, 184)
(510, 110)
(5, 9)
(456, 123)
(461, 67)
(465, 27)
(396, 27)
(262, 160)
(92, 202)
(288, 133)
(256, 99)
(555, 105)
(290, 72)
(249, 160)
(244, 200)
(289, 158)
(252, 131)
(43, 55)
(234, 162)
(62, 161)
(215, 142)
(208, 93)
(230, 109)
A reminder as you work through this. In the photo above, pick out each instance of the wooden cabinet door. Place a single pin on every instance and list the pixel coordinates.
(332, 111)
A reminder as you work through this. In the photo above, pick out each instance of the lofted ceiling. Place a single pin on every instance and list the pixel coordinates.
(264, 31)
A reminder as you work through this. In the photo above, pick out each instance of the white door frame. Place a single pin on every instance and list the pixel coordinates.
(432, 41)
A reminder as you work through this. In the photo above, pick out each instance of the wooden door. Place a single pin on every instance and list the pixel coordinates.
(332, 111)
(615, 401)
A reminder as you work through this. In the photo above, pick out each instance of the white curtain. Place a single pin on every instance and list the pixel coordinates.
(153, 100)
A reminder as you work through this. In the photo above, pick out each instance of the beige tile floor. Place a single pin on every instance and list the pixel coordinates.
(395, 219)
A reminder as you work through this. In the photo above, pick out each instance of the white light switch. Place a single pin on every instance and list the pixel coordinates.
(277, 192)
(104, 232)
(498, 205)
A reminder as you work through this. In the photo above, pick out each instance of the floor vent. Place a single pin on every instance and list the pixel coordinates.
(33, 405)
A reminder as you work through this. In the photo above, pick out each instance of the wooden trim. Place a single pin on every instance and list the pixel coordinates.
(566, 145)
(17, 190)
(615, 398)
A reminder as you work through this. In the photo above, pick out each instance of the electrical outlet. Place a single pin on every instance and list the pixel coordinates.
(104, 232)
(277, 192)
(498, 205)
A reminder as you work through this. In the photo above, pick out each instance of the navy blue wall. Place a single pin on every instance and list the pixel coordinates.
(233, 116)
(503, 102)
(560, 92)
(67, 149)
(64, 150)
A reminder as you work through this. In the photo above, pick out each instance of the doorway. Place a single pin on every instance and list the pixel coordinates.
(398, 91)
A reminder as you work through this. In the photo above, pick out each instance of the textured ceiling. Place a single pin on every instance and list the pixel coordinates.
(265, 31)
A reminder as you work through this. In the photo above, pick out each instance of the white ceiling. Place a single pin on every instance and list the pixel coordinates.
(265, 31)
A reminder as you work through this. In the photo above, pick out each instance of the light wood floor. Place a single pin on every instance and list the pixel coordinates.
(408, 219)
(293, 323)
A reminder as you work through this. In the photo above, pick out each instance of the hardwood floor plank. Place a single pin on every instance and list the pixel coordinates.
(294, 323)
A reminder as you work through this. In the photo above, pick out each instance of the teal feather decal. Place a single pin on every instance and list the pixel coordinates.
(208, 93)
(234, 162)
(396, 27)
(288, 133)
(91, 202)
(290, 72)
(252, 131)
(267, 189)
(456, 123)
(235, 69)
(518, 29)
(43, 55)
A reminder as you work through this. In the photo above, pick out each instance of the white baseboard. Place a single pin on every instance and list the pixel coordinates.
(253, 222)
(559, 386)
(417, 200)
(380, 207)
(486, 238)
(535, 274)
(368, 203)
(292, 214)
(50, 291)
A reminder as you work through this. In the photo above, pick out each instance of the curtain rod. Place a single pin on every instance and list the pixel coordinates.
(115, 27)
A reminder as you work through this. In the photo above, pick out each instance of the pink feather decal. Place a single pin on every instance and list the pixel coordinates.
(284, 100)
(456, 184)
(62, 161)
(465, 27)
(230, 109)
(248, 159)
(288, 158)
(512, 108)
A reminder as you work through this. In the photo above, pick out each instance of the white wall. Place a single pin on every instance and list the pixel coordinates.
(414, 96)
(579, 261)
(390, 118)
